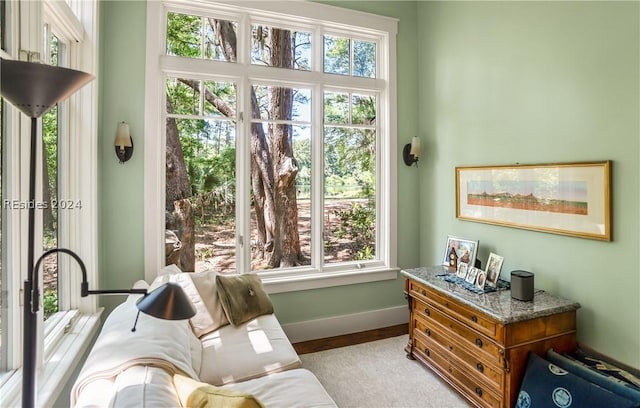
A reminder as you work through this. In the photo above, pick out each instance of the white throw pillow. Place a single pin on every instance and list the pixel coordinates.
(200, 287)
(205, 283)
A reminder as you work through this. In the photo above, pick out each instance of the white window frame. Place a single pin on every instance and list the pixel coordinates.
(306, 16)
(63, 339)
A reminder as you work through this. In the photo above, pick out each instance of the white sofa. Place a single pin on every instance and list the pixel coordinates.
(137, 369)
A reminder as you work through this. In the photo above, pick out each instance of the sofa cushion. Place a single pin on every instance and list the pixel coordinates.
(297, 388)
(547, 385)
(195, 394)
(243, 297)
(238, 353)
(144, 386)
(134, 387)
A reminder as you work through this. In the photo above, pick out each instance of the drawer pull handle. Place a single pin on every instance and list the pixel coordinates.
(480, 367)
(478, 342)
(479, 391)
(427, 312)
(424, 292)
(427, 352)
(474, 319)
(428, 332)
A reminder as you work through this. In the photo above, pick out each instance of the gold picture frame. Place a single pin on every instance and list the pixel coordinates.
(566, 198)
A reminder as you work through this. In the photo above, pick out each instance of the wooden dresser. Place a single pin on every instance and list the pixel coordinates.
(478, 343)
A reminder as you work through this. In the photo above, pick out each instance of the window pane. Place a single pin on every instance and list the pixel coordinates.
(220, 39)
(183, 96)
(364, 59)
(219, 99)
(336, 108)
(183, 35)
(278, 103)
(50, 132)
(200, 175)
(336, 55)
(282, 48)
(201, 37)
(200, 189)
(280, 210)
(349, 206)
(363, 109)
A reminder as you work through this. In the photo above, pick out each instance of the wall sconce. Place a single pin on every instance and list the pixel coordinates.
(411, 151)
(123, 143)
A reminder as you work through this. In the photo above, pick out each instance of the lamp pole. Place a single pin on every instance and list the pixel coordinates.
(29, 339)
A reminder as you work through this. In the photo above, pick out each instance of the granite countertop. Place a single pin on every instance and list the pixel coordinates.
(498, 304)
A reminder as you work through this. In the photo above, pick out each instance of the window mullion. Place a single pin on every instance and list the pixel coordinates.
(243, 175)
(317, 178)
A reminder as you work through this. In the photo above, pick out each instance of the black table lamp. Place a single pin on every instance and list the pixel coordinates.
(34, 89)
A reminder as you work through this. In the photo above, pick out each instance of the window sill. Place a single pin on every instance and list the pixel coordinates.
(317, 280)
(59, 367)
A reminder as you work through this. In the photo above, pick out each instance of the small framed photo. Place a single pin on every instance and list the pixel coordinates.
(462, 270)
(494, 265)
(465, 251)
(471, 275)
(481, 279)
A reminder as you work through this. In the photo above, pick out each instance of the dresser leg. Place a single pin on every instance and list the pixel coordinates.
(409, 350)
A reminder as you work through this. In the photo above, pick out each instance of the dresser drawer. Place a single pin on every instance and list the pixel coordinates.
(473, 389)
(486, 372)
(466, 314)
(417, 290)
(467, 337)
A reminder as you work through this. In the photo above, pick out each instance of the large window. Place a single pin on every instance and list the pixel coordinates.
(48, 32)
(3, 279)
(277, 140)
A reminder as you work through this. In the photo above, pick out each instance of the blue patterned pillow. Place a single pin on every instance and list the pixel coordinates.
(578, 368)
(547, 385)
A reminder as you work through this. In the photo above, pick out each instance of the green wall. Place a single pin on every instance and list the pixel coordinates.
(481, 83)
(538, 82)
(121, 197)
(121, 206)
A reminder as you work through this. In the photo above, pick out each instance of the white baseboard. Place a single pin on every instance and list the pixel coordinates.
(346, 324)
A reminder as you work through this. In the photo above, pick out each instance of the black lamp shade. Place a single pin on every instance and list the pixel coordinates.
(167, 302)
(35, 88)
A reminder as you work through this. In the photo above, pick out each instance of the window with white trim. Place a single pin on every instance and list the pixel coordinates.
(48, 32)
(3, 277)
(279, 128)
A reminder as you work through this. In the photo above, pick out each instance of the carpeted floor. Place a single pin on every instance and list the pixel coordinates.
(378, 374)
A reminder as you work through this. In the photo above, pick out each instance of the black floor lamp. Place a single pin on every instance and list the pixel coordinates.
(34, 89)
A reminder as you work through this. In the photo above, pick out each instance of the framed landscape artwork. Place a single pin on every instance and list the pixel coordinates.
(567, 198)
